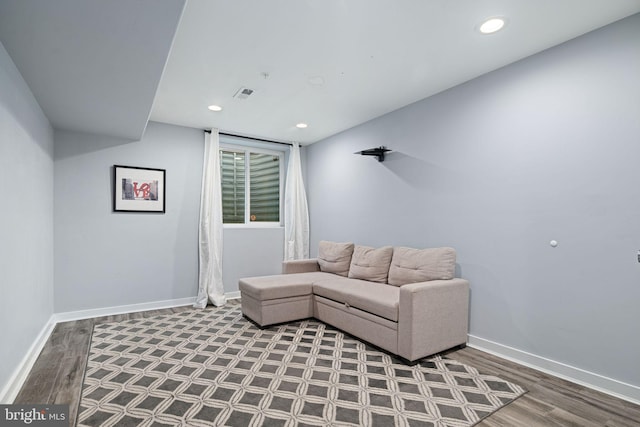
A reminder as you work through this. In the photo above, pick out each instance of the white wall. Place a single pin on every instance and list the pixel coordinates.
(546, 148)
(26, 219)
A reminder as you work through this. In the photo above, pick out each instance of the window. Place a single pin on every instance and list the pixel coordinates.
(251, 185)
(232, 174)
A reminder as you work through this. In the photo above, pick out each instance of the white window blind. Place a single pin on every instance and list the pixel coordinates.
(251, 186)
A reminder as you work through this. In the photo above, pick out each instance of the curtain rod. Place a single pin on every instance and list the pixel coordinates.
(249, 137)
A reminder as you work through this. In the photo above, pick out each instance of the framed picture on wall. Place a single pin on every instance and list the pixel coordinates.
(137, 189)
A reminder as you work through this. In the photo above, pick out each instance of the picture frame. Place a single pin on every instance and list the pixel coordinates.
(138, 189)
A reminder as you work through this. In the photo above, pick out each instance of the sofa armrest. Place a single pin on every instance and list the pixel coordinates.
(300, 266)
(433, 316)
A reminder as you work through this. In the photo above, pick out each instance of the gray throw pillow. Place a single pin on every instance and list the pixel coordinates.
(421, 265)
(335, 257)
(370, 263)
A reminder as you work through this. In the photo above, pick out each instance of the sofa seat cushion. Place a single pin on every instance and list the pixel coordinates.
(410, 265)
(281, 286)
(375, 298)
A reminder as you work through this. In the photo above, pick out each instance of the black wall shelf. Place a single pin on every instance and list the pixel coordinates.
(378, 152)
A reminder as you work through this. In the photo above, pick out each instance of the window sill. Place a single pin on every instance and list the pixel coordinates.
(253, 226)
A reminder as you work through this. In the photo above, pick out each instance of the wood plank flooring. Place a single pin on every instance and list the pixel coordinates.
(550, 401)
(57, 377)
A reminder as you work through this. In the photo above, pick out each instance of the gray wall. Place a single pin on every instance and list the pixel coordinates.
(26, 218)
(546, 148)
(106, 259)
(251, 252)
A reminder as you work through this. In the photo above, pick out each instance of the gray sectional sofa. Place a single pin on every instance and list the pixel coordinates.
(403, 300)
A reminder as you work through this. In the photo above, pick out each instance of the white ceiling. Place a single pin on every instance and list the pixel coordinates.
(96, 65)
(375, 56)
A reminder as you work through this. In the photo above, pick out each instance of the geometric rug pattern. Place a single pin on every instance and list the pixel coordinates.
(215, 368)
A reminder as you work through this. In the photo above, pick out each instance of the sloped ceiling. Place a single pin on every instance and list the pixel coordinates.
(93, 65)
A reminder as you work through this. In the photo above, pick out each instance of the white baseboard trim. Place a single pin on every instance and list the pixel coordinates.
(122, 309)
(619, 389)
(12, 387)
(132, 308)
(232, 295)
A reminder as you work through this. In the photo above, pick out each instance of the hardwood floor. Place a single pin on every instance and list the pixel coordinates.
(57, 377)
(550, 401)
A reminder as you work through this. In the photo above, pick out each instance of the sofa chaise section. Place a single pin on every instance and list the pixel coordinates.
(268, 300)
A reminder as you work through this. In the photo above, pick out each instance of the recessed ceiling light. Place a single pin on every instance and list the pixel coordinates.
(214, 108)
(301, 125)
(492, 25)
(316, 80)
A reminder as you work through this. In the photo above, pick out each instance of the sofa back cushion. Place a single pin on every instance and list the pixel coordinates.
(420, 265)
(370, 263)
(335, 257)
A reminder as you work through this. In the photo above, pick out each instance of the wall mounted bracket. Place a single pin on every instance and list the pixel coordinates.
(377, 152)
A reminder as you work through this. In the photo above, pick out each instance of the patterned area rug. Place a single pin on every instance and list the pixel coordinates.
(215, 368)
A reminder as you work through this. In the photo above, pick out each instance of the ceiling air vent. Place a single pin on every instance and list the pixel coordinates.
(243, 93)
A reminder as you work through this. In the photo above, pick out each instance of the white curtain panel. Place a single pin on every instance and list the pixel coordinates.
(210, 233)
(296, 211)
